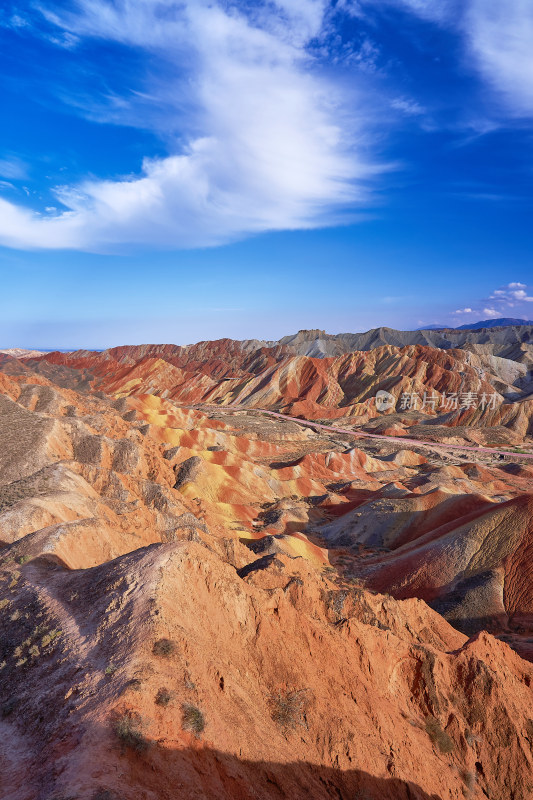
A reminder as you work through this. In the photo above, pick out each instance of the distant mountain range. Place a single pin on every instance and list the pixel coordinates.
(502, 322)
(503, 335)
(510, 341)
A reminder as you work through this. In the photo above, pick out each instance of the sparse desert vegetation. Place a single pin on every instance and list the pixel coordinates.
(163, 697)
(438, 736)
(128, 728)
(288, 707)
(192, 719)
(164, 648)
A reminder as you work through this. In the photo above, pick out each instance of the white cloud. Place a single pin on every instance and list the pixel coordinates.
(509, 300)
(407, 106)
(512, 294)
(18, 21)
(350, 7)
(13, 168)
(265, 143)
(500, 36)
(497, 36)
(433, 10)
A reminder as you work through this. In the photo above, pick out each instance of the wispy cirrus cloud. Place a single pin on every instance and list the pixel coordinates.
(499, 36)
(262, 141)
(259, 134)
(496, 38)
(13, 168)
(408, 106)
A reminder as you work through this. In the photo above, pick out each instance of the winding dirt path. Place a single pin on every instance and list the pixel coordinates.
(402, 440)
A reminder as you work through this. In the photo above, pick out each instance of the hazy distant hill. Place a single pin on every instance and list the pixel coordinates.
(503, 322)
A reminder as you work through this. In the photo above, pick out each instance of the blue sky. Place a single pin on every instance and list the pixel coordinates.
(183, 171)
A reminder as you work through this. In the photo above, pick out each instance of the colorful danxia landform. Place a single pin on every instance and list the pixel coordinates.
(201, 592)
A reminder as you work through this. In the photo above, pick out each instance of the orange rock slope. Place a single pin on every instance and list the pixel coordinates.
(189, 601)
(169, 672)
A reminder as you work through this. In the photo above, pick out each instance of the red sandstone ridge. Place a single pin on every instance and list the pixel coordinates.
(198, 601)
(162, 672)
(225, 372)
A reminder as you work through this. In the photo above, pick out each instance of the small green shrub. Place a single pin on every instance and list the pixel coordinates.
(288, 707)
(469, 779)
(438, 736)
(164, 647)
(192, 719)
(128, 729)
(49, 637)
(163, 697)
(110, 670)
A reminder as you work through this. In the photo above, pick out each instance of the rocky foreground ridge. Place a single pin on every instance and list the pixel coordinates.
(203, 602)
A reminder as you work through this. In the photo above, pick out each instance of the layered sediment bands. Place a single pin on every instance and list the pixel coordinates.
(200, 600)
(499, 340)
(225, 373)
(128, 468)
(432, 563)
